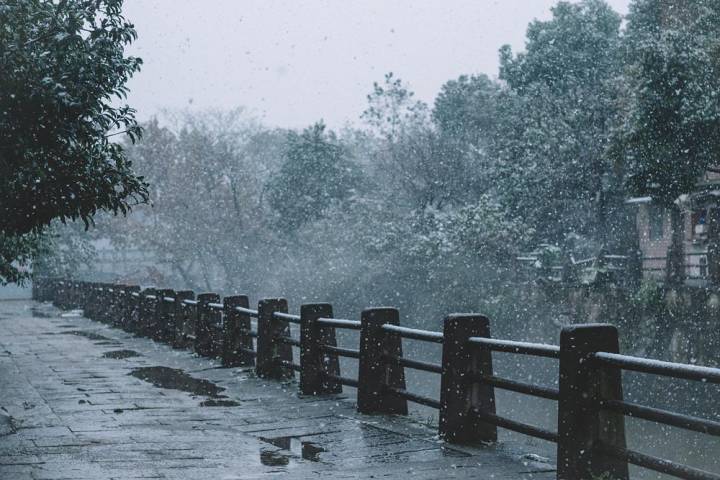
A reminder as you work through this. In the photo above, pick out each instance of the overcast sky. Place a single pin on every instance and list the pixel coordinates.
(292, 62)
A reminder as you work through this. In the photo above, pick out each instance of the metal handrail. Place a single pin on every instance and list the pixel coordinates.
(350, 382)
(522, 348)
(659, 367)
(339, 323)
(519, 427)
(687, 422)
(415, 364)
(657, 464)
(414, 334)
(414, 397)
(515, 386)
(290, 365)
(287, 317)
(289, 341)
(247, 311)
(250, 333)
(340, 351)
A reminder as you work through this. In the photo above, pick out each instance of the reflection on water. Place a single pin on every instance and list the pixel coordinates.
(121, 354)
(88, 335)
(693, 398)
(291, 446)
(214, 402)
(307, 450)
(176, 379)
(311, 451)
(273, 458)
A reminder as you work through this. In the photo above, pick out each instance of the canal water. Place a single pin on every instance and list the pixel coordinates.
(694, 449)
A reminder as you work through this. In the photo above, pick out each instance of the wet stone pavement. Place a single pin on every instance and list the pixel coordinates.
(80, 400)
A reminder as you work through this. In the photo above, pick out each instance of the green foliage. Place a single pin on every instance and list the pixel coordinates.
(465, 119)
(67, 251)
(465, 108)
(578, 47)
(62, 72)
(649, 299)
(392, 107)
(480, 230)
(426, 208)
(671, 127)
(16, 255)
(316, 173)
(427, 159)
(554, 118)
(207, 173)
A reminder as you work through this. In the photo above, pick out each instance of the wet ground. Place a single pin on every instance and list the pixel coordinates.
(80, 400)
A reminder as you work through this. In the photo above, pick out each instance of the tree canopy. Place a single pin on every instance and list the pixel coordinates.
(316, 173)
(670, 131)
(62, 80)
(430, 204)
(556, 112)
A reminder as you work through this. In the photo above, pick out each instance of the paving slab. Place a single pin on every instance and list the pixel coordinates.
(84, 402)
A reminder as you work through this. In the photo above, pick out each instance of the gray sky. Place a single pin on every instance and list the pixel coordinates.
(292, 62)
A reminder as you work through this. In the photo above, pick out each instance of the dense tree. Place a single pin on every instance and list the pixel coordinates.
(62, 70)
(207, 173)
(465, 109)
(465, 118)
(670, 130)
(556, 113)
(316, 173)
(65, 250)
(16, 253)
(405, 147)
(427, 208)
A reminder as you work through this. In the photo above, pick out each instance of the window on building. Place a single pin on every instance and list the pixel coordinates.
(703, 266)
(656, 222)
(699, 220)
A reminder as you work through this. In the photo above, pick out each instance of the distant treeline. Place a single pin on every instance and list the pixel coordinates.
(425, 206)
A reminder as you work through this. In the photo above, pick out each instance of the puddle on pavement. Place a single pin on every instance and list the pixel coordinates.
(311, 451)
(292, 446)
(219, 403)
(272, 458)
(120, 354)
(89, 335)
(176, 379)
(38, 313)
(67, 326)
(8, 425)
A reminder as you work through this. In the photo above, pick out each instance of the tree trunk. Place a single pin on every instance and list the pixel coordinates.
(675, 259)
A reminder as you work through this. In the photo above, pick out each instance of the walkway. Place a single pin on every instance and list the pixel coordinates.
(87, 401)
